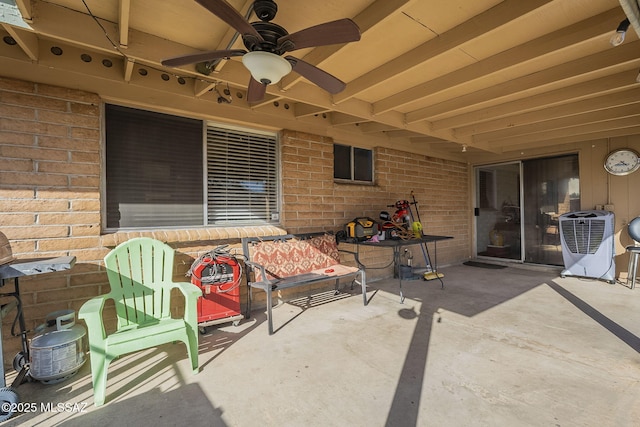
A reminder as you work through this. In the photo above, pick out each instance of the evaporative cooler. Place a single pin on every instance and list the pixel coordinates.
(588, 246)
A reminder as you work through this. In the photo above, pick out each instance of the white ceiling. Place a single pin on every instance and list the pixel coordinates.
(495, 76)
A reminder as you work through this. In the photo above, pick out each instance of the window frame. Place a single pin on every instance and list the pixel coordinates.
(275, 213)
(352, 166)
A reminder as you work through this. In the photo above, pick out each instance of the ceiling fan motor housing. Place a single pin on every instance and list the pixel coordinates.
(265, 10)
(270, 32)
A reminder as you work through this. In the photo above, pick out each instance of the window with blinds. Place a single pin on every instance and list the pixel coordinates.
(156, 175)
(242, 176)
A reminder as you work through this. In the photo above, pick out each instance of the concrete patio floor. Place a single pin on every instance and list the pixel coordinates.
(496, 347)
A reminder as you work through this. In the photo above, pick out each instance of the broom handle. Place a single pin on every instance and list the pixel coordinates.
(423, 245)
(413, 197)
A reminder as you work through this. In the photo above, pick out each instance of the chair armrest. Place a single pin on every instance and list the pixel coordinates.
(91, 313)
(264, 283)
(189, 290)
(191, 294)
(256, 266)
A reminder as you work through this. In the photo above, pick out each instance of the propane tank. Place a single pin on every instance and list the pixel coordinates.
(60, 349)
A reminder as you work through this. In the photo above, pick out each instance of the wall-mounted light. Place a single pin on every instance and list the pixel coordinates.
(464, 148)
(621, 31)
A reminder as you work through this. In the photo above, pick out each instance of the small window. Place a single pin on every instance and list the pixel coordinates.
(352, 163)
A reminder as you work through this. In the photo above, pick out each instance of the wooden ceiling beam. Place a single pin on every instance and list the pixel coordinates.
(573, 138)
(557, 40)
(401, 133)
(583, 130)
(626, 53)
(123, 22)
(267, 100)
(340, 119)
(372, 127)
(377, 12)
(591, 117)
(27, 41)
(69, 27)
(609, 100)
(614, 82)
(306, 110)
(426, 140)
(485, 22)
(127, 72)
(231, 37)
(24, 6)
(202, 87)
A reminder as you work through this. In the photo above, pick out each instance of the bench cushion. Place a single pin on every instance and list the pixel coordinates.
(327, 245)
(294, 257)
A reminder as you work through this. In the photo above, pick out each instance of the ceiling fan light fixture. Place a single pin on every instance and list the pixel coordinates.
(265, 67)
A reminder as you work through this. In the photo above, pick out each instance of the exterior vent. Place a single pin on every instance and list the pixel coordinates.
(583, 237)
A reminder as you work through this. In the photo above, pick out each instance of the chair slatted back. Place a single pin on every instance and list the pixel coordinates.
(134, 269)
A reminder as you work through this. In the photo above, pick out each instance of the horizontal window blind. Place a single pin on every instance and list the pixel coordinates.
(242, 176)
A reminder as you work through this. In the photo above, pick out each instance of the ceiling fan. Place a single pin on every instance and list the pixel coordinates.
(266, 42)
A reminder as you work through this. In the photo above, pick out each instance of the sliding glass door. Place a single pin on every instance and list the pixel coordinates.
(498, 219)
(518, 205)
(551, 188)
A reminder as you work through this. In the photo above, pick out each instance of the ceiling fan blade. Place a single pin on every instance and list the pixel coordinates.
(315, 75)
(255, 91)
(231, 16)
(334, 32)
(202, 57)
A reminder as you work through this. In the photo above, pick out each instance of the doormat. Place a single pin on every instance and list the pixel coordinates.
(483, 265)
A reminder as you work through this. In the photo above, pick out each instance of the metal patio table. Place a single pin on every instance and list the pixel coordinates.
(396, 245)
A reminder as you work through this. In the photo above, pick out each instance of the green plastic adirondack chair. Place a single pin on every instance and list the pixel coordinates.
(140, 275)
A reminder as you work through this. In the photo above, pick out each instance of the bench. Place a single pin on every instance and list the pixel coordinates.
(287, 261)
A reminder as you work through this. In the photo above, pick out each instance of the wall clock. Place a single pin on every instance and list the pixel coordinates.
(622, 161)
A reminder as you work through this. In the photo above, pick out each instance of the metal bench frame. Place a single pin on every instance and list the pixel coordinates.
(269, 285)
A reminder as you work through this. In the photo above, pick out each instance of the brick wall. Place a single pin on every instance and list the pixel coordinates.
(312, 200)
(50, 157)
(49, 193)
